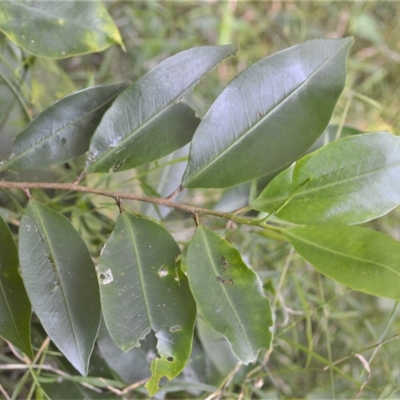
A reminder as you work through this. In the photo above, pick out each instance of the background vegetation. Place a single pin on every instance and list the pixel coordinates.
(319, 323)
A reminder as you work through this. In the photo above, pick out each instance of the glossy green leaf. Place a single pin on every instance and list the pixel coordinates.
(142, 289)
(269, 115)
(63, 131)
(360, 258)
(113, 150)
(58, 29)
(229, 294)
(148, 121)
(349, 181)
(60, 279)
(15, 309)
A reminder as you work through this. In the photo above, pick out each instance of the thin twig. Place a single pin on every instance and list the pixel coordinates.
(124, 391)
(225, 383)
(377, 345)
(47, 368)
(4, 393)
(127, 196)
(110, 388)
(43, 347)
(367, 367)
(134, 386)
(14, 351)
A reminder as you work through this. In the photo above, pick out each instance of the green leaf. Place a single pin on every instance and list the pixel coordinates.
(229, 294)
(49, 82)
(63, 131)
(132, 366)
(60, 279)
(269, 115)
(360, 258)
(142, 289)
(349, 181)
(58, 29)
(217, 349)
(331, 134)
(148, 121)
(15, 309)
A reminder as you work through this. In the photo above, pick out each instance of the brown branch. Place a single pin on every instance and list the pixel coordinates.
(108, 193)
(127, 196)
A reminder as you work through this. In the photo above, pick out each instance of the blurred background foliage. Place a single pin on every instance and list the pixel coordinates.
(330, 341)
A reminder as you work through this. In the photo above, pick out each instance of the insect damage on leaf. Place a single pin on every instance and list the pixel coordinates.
(227, 281)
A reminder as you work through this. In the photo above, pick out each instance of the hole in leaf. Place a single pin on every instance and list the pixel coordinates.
(148, 346)
(162, 272)
(106, 277)
(175, 328)
(170, 359)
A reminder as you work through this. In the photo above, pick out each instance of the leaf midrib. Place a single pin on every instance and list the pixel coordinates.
(10, 162)
(47, 244)
(139, 266)
(358, 259)
(130, 136)
(305, 192)
(260, 121)
(225, 292)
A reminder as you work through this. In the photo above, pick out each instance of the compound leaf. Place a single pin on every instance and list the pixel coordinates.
(349, 181)
(143, 289)
(269, 115)
(58, 29)
(63, 131)
(15, 309)
(147, 121)
(60, 279)
(360, 258)
(229, 294)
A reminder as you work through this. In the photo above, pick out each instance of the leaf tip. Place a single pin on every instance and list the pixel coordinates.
(152, 384)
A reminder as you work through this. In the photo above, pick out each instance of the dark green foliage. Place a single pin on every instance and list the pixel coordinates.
(151, 271)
